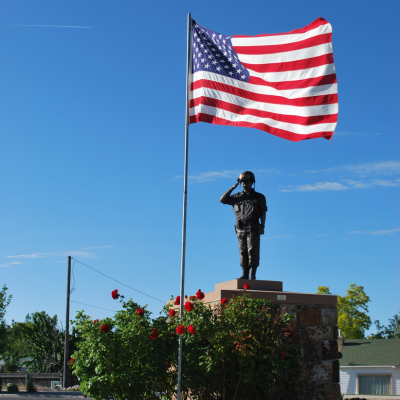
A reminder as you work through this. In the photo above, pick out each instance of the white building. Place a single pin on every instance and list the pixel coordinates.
(370, 367)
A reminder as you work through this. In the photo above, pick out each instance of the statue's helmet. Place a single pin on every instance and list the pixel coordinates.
(246, 176)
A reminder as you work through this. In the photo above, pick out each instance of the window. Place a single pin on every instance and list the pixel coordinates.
(374, 384)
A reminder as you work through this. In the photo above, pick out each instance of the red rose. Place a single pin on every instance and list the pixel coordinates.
(95, 321)
(180, 330)
(168, 364)
(289, 386)
(172, 313)
(192, 297)
(246, 286)
(277, 382)
(189, 306)
(191, 329)
(200, 294)
(178, 300)
(283, 354)
(154, 334)
(71, 360)
(105, 328)
(140, 312)
(224, 300)
(114, 294)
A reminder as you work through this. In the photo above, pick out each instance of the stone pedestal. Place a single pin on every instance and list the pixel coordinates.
(315, 326)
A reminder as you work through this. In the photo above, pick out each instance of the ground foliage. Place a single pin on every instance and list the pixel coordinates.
(244, 349)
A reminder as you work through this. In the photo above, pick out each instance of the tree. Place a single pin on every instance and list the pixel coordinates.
(4, 302)
(15, 347)
(39, 338)
(392, 331)
(45, 343)
(352, 311)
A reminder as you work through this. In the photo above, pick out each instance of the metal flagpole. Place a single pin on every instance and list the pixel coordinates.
(188, 83)
(66, 343)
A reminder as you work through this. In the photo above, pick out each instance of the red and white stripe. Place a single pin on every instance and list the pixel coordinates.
(292, 90)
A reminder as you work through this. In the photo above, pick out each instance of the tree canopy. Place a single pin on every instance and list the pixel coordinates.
(391, 331)
(353, 319)
(45, 339)
(37, 343)
(15, 347)
(4, 302)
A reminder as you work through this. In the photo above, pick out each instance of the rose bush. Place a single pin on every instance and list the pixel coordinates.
(242, 349)
(129, 361)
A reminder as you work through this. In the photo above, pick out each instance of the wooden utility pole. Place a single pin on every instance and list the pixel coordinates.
(66, 342)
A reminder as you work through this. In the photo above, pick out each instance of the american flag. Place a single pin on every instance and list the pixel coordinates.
(284, 84)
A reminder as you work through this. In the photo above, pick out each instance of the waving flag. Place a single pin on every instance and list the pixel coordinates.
(284, 84)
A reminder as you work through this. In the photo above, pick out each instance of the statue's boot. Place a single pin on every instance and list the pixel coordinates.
(245, 274)
(253, 273)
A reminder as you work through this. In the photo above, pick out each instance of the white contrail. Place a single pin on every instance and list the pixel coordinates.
(49, 26)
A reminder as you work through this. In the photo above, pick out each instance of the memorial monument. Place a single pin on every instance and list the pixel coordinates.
(315, 315)
(250, 208)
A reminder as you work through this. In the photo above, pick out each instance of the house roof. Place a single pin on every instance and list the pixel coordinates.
(365, 352)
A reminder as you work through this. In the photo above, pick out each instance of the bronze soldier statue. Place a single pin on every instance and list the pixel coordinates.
(250, 208)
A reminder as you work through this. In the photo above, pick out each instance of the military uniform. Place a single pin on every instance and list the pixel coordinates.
(248, 209)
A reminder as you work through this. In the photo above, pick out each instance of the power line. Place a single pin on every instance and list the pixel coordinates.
(121, 283)
(101, 308)
(73, 277)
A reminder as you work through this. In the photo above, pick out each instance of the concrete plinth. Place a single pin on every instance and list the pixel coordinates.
(268, 290)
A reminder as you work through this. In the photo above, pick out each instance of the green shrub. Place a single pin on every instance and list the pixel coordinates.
(30, 387)
(118, 358)
(355, 398)
(12, 388)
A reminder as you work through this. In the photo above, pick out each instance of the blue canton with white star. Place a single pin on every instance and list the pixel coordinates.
(213, 52)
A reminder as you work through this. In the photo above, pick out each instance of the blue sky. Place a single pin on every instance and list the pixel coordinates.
(92, 143)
